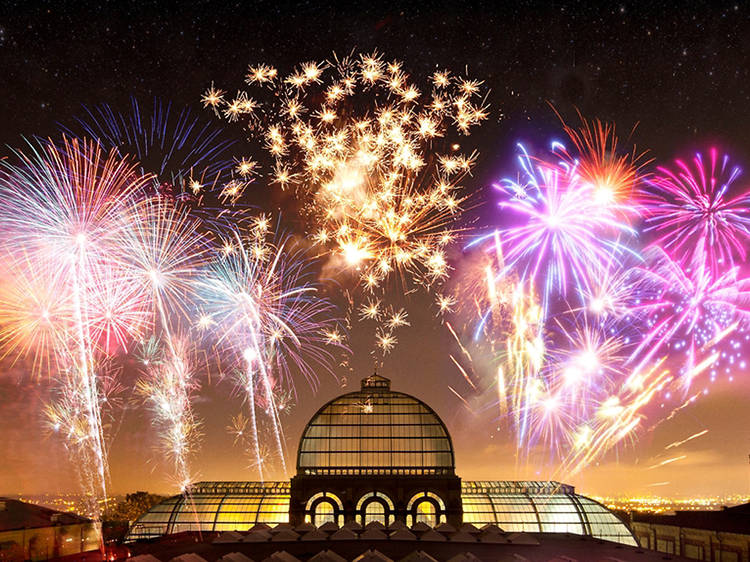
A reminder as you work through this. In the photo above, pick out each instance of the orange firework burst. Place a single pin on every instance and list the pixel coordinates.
(612, 173)
(359, 143)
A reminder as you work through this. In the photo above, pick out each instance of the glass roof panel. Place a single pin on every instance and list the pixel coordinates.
(375, 429)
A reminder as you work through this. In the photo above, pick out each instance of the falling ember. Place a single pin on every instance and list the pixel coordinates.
(666, 462)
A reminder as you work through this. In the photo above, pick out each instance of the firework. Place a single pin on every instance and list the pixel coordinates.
(179, 149)
(688, 311)
(615, 326)
(168, 385)
(564, 237)
(691, 210)
(164, 251)
(359, 143)
(63, 211)
(261, 304)
(32, 314)
(612, 175)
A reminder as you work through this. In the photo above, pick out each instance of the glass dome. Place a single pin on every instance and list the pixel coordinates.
(375, 431)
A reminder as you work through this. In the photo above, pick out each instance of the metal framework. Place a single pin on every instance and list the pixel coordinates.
(377, 454)
(543, 507)
(375, 431)
(216, 506)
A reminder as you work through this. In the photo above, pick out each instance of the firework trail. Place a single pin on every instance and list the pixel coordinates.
(168, 386)
(617, 416)
(525, 350)
(358, 143)
(63, 210)
(666, 462)
(165, 250)
(690, 209)
(683, 441)
(245, 439)
(261, 307)
(184, 153)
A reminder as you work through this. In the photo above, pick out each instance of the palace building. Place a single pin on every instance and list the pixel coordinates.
(378, 455)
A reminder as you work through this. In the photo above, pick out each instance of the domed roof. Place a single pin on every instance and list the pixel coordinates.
(375, 431)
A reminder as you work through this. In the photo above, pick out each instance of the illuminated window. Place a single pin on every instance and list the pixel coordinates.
(425, 507)
(374, 511)
(324, 507)
(375, 506)
(324, 512)
(426, 513)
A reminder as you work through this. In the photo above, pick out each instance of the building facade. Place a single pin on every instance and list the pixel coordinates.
(381, 455)
(33, 532)
(720, 536)
(375, 454)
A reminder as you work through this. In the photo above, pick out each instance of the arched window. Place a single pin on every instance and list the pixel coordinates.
(375, 506)
(425, 507)
(324, 507)
(374, 511)
(426, 513)
(323, 513)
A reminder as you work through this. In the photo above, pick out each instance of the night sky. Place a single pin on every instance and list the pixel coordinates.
(681, 74)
